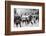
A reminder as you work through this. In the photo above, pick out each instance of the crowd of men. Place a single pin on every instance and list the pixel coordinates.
(25, 18)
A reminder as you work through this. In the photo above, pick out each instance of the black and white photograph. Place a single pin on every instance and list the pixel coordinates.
(26, 17)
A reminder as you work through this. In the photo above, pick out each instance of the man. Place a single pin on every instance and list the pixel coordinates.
(17, 20)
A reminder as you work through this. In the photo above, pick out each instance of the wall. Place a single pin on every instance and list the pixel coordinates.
(2, 18)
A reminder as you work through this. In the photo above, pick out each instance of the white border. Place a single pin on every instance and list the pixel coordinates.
(26, 28)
